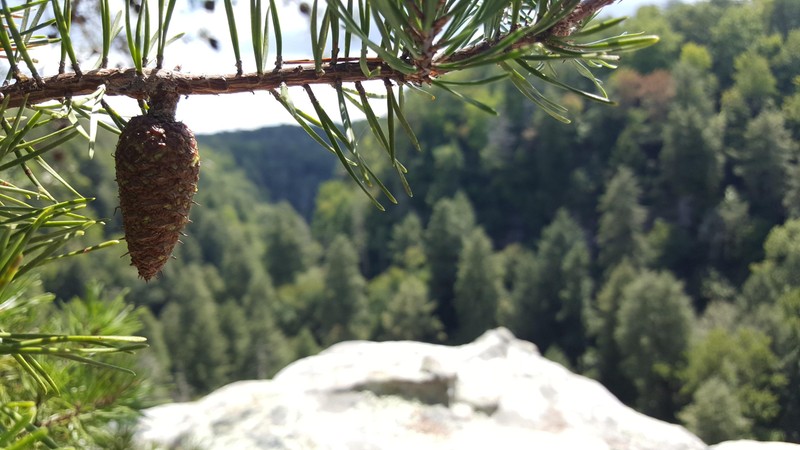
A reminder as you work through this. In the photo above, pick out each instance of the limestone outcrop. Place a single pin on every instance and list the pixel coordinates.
(495, 393)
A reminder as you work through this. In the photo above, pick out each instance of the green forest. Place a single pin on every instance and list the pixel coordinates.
(653, 245)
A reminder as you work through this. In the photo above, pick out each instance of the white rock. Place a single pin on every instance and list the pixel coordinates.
(495, 393)
(754, 445)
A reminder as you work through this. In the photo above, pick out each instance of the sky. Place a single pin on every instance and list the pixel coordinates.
(207, 114)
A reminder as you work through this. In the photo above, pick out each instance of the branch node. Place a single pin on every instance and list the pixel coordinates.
(163, 95)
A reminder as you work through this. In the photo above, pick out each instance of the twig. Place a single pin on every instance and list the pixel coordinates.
(582, 12)
(128, 83)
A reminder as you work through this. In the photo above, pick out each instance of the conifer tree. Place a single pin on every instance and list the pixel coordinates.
(754, 81)
(791, 199)
(731, 234)
(779, 272)
(770, 301)
(621, 231)
(789, 306)
(602, 324)
(654, 324)
(451, 221)
(194, 335)
(305, 344)
(290, 248)
(715, 414)
(409, 313)
(552, 290)
(269, 350)
(338, 210)
(762, 162)
(526, 311)
(240, 265)
(156, 362)
(732, 34)
(691, 159)
(406, 244)
(477, 287)
(233, 326)
(342, 313)
(745, 363)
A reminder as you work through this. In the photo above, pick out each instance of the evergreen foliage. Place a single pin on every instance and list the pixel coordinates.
(343, 309)
(200, 359)
(452, 220)
(268, 348)
(654, 324)
(778, 272)
(747, 367)
(90, 398)
(289, 169)
(401, 302)
(289, 247)
(762, 161)
(691, 159)
(715, 413)
(621, 230)
(551, 290)
(407, 243)
(602, 323)
(477, 287)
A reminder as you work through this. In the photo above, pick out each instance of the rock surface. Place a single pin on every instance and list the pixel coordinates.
(754, 445)
(496, 392)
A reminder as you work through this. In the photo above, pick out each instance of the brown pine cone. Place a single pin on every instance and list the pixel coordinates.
(158, 168)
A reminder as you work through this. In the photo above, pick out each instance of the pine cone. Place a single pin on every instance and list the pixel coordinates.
(158, 168)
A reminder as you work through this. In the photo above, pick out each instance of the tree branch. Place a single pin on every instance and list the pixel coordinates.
(141, 86)
(128, 83)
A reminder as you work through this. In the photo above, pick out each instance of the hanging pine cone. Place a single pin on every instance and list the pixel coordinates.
(158, 168)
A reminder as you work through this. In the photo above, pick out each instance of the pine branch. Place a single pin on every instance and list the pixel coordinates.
(127, 82)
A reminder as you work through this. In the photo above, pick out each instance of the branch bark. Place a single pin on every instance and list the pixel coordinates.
(141, 86)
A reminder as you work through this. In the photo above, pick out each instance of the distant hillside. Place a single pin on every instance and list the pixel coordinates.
(282, 160)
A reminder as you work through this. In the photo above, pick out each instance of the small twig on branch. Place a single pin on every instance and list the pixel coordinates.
(584, 11)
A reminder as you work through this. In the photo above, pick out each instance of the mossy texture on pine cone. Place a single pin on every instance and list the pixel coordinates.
(158, 168)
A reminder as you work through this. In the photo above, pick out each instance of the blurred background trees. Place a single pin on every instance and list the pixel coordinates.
(664, 220)
(651, 245)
